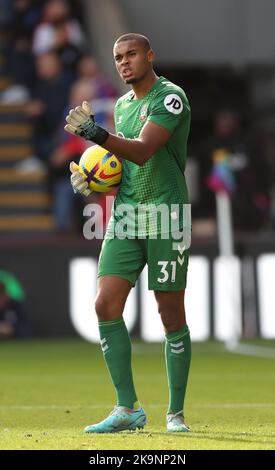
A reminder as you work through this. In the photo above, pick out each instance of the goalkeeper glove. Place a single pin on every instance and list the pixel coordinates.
(81, 122)
(78, 182)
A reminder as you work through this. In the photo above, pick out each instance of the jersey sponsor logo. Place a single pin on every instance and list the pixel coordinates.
(143, 113)
(173, 103)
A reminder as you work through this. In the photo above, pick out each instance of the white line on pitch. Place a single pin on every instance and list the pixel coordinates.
(148, 405)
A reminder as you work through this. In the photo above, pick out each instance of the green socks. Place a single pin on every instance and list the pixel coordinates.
(116, 347)
(117, 351)
(178, 357)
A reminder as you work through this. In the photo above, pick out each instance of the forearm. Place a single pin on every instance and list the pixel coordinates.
(133, 150)
(80, 122)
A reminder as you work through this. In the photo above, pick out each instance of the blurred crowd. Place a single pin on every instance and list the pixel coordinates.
(53, 69)
(241, 163)
(14, 321)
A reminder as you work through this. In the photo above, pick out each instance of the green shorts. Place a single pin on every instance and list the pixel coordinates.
(167, 262)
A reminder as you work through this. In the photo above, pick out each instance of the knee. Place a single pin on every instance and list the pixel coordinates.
(172, 317)
(106, 308)
(102, 308)
(172, 324)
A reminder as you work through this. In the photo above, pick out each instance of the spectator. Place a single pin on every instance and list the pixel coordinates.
(21, 62)
(13, 286)
(13, 323)
(26, 15)
(265, 140)
(103, 92)
(250, 197)
(6, 13)
(65, 204)
(88, 69)
(59, 32)
(50, 98)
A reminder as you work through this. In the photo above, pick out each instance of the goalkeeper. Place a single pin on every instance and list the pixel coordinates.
(152, 125)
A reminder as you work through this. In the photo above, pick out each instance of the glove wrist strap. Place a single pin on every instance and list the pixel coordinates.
(91, 131)
(100, 136)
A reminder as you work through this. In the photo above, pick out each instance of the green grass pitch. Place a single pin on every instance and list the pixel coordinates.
(50, 390)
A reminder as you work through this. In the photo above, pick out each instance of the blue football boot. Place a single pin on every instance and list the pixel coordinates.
(120, 419)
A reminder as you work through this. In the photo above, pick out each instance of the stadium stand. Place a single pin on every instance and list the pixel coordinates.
(25, 205)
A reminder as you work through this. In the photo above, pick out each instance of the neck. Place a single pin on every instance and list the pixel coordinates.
(142, 88)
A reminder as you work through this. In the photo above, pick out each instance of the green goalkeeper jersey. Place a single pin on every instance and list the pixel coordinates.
(160, 182)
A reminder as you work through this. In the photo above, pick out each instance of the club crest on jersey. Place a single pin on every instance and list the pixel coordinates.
(143, 113)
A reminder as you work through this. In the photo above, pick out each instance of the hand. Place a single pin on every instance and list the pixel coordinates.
(81, 122)
(78, 182)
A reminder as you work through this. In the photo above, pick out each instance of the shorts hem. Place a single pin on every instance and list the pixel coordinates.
(117, 275)
(166, 289)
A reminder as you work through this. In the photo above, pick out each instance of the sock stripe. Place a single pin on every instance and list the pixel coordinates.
(104, 345)
(179, 337)
(110, 323)
(177, 351)
(104, 348)
(177, 345)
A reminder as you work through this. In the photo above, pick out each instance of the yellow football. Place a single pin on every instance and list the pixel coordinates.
(101, 168)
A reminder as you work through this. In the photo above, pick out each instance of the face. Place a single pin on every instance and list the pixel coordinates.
(55, 10)
(226, 123)
(88, 67)
(48, 66)
(133, 61)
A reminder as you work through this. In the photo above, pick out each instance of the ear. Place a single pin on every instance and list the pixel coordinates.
(151, 56)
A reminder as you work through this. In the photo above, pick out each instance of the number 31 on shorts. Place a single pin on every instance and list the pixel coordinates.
(165, 265)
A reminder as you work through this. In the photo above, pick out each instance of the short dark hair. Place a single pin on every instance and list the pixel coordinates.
(135, 37)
